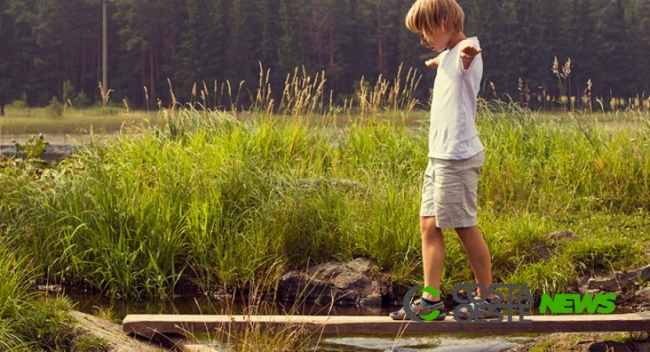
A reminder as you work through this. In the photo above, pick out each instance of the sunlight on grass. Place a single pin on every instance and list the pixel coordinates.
(215, 199)
(218, 200)
(36, 120)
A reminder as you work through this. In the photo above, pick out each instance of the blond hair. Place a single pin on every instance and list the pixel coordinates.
(428, 16)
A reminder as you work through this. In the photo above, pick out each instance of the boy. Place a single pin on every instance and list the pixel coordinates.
(455, 151)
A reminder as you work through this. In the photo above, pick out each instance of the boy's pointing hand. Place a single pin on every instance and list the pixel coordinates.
(469, 51)
(467, 54)
(433, 63)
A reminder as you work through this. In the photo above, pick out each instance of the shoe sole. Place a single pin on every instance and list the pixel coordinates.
(440, 317)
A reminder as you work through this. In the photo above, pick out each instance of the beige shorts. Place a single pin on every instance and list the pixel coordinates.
(450, 190)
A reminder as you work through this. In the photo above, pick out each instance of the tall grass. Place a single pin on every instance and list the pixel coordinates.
(212, 199)
(569, 167)
(305, 96)
(28, 322)
(255, 335)
(217, 205)
(13, 291)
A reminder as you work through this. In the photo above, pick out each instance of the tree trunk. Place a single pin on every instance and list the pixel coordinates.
(2, 109)
(152, 83)
(380, 44)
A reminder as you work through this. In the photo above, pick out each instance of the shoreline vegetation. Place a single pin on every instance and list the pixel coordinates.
(211, 192)
(203, 199)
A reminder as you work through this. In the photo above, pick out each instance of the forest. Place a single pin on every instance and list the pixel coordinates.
(53, 48)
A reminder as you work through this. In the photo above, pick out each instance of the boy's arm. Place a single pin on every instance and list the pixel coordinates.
(433, 63)
(467, 53)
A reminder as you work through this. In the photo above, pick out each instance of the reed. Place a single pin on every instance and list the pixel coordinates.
(214, 199)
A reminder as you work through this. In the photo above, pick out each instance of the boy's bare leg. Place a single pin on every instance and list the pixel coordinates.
(433, 254)
(478, 254)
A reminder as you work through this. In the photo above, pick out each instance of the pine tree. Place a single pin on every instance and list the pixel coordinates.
(484, 18)
(148, 46)
(290, 44)
(615, 51)
(637, 13)
(200, 49)
(243, 52)
(9, 60)
(581, 44)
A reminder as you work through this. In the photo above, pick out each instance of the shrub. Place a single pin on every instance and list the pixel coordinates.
(55, 108)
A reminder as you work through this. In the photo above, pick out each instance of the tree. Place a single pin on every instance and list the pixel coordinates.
(192, 41)
(201, 46)
(148, 46)
(290, 45)
(9, 60)
(580, 26)
(638, 31)
(243, 53)
(483, 20)
(615, 50)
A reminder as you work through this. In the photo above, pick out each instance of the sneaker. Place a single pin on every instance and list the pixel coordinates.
(420, 309)
(465, 313)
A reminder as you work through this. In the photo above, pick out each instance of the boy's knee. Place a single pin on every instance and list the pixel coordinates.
(428, 226)
(467, 231)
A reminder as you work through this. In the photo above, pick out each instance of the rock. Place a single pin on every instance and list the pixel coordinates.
(620, 281)
(643, 295)
(611, 346)
(360, 265)
(117, 340)
(602, 285)
(50, 288)
(341, 284)
(608, 346)
(543, 250)
(594, 342)
(562, 235)
(645, 273)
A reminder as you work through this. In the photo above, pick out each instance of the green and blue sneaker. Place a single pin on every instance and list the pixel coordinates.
(465, 313)
(420, 309)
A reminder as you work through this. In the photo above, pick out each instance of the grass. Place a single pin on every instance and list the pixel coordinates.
(29, 322)
(23, 120)
(255, 336)
(214, 200)
(217, 198)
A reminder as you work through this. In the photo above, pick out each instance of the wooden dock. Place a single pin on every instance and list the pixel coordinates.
(150, 325)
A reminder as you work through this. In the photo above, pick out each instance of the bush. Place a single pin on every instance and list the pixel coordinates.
(68, 91)
(55, 108)
(81, 101)
(18, 104)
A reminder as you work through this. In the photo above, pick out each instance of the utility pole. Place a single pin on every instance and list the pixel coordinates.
(104, 54)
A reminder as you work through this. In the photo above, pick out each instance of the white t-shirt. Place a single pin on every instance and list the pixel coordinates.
(452, 133)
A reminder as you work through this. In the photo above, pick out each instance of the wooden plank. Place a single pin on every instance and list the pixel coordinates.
(146, 325)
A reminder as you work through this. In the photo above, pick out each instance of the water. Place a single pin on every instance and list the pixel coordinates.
(447, 343)
(205, 305)
(444, 343)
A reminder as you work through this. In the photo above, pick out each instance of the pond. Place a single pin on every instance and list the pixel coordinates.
(205, 305)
